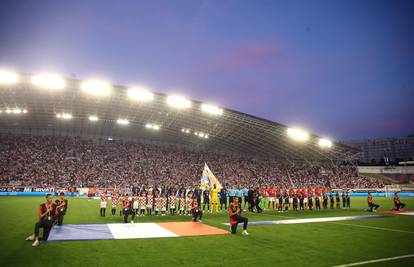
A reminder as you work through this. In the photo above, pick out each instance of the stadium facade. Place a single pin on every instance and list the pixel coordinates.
(384, 151)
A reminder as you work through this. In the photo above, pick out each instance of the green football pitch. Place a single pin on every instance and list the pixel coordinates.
(307, 244)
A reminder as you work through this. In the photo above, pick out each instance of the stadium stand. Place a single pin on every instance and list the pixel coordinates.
(63, 162)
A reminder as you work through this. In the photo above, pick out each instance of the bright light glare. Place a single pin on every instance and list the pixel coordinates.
(49, 81)
(122, 121)
(140, 94)
(325, 143)
(65, 116)
(152, 126)
(93, 118)
(178, 102)
(7, 77)
(8, 111)
(17, 111)
(94, 87)
(297, 134)
(211, 109)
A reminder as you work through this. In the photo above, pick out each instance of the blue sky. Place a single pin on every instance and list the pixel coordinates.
(343, 69)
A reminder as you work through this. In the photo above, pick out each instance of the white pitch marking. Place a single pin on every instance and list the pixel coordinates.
(377, 260)
(377, 228)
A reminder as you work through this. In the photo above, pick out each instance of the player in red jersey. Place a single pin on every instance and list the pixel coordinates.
(291, 193)
(271, 193)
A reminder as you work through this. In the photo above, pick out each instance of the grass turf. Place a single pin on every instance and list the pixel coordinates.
(310, 244)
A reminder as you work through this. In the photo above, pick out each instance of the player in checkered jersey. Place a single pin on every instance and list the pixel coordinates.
(156, 203)
(150, 202)
(172, 200)
(189, 202)
(182, 203)
(163, 203)
(142, 203)
(135, 204)
(114, 199)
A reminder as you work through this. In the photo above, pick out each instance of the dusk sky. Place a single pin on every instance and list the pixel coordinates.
(342, 69)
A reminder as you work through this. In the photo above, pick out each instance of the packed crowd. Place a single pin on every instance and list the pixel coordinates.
(63, 162)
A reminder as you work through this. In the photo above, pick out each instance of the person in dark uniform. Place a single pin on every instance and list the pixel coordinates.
(286, 196)
(343, 200)
(223, 198)
(317, 203)
(310, 203)
(62, 207)
(338, 200)
(250, 198)
(236, 218)
(206, 199)
(47, 214)
(127, 209)
(295, 202)
(280, 201)
(257, 201)
(197, 192)
(301, 204)
(325, 202)
(397, 203)
(196, 212)
(348, 200)
(332, 200)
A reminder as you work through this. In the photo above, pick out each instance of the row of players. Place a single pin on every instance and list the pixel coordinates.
(159, 204)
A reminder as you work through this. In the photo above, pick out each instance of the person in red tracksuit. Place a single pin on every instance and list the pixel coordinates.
(397, 203)
(47, 214)
(235, 218)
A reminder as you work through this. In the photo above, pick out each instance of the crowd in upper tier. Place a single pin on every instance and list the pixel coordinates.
(63, 162)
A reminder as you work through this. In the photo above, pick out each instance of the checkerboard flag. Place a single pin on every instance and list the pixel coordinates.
(208, 179)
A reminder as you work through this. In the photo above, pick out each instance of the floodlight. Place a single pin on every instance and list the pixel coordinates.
(325, 143)
(122, 121)
(93, 118)
(178, 102)
(95, 87)
(297, 134)
(140, 94)
(7, 77)
(65, 116)
(49, 81)
(152, 126)
(211, 109)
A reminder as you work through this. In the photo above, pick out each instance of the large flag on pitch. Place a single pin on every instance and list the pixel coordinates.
(208, 179)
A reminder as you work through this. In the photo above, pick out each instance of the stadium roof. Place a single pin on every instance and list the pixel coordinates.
(49, 104)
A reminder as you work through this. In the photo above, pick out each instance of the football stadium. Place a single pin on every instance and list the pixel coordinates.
(94, 173)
